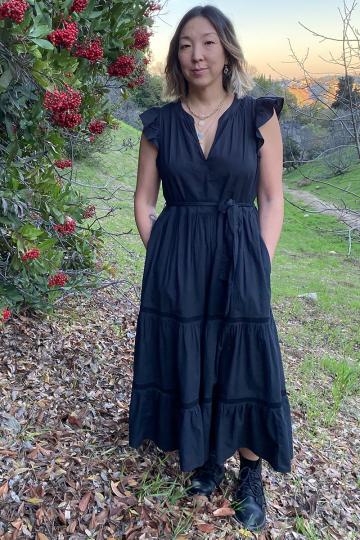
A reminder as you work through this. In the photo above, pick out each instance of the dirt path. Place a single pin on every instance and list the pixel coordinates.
(347, 216)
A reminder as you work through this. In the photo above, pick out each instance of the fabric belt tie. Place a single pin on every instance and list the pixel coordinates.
(227, 207)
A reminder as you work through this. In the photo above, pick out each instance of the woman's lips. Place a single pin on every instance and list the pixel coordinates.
(198, 71)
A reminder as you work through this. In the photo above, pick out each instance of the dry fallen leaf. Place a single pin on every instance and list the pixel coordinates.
(115, 489)
(224, 511)
(69, 461)
(132, 482)
(4, 488)
(205, 527)
(41, 536)
(34, 500)
(83, 504)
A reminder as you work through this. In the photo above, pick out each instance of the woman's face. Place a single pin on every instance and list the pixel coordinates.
(200, 47)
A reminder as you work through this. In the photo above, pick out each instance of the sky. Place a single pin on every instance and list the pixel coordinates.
(267, 30)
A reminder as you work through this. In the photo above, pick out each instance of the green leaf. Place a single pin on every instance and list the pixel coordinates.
(43, 43)
(47, 244)
(95, 14)
(5, 220)
(41, 30)
(9, 128)
(5, 79)
(30, 232)
(13, 294)
(59, 216)
(20, 244)
(13, 150)
(44, 83)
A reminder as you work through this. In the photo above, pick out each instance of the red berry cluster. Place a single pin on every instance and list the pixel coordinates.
(89, 211)
(92, 138)
(64, 107)
(67, 228)
(31, 254)
(146, 60)
(58, 279)
(14, 10)
(136, 82)
(97, 126)
(64, 37)
(92, 50)
(153, 6)
(6, 314)
(63, 163)
(141, 37)
(59, 101)
(122, 67)
(78, 6)
(67, 119)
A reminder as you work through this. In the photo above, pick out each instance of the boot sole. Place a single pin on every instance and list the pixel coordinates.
(249, 528)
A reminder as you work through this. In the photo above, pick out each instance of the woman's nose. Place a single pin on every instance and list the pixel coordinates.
(197, 54)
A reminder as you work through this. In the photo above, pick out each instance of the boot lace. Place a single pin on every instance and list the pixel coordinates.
(251, 484)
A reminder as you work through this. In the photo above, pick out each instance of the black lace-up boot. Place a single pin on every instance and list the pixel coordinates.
(206, 478)
(250, 504)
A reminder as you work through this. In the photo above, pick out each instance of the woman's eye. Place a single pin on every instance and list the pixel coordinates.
(206, 42)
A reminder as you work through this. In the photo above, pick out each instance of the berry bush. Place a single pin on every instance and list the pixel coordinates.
(58, 61)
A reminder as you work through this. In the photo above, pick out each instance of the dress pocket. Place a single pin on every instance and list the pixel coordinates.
(151, 236)
(266, 252)
(153, 232)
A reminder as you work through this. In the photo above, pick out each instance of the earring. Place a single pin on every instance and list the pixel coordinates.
(226, 70)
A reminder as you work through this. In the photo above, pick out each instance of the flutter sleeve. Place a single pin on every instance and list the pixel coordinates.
(264, 109)
(151, 122)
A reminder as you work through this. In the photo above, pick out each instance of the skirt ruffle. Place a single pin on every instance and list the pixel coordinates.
(222, 387)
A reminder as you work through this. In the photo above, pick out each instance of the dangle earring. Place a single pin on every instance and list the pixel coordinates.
(226, 70)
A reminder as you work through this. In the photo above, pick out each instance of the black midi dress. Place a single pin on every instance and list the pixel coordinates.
(208, 373)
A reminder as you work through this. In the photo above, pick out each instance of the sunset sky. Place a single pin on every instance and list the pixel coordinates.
(264, 29)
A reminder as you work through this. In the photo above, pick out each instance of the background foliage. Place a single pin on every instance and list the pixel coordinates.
(58, 61)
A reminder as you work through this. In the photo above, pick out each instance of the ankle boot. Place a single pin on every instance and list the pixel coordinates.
(206, 478)
(250, 503)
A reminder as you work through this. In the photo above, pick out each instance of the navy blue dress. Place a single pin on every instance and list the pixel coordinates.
(208, 373)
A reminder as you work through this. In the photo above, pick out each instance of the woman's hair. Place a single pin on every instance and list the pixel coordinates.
(238, 81)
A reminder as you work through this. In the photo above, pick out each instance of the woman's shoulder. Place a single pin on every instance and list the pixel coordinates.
(264, 105)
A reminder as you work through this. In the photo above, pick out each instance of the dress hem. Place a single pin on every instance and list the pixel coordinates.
(165, 448)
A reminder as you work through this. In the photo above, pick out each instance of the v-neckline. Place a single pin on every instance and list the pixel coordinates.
(191, 122)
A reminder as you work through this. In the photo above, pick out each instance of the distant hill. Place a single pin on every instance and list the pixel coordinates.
(324, 87)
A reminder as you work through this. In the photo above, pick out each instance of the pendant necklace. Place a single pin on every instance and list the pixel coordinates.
(199, 124)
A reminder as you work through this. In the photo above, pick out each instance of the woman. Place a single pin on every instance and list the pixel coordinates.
(208, 374)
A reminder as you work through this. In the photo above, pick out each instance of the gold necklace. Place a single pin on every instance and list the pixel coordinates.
(201, 134)
(200, 123)
(204, 116)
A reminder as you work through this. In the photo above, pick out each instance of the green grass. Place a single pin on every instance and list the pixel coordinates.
(325, 187)
(116, 171)
(311, 256)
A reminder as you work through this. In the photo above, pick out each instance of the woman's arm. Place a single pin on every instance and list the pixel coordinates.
(147, 189)
(270, 190)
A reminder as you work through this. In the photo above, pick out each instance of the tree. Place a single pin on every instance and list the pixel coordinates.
(346, 95)
(149, 94)
(54, 57)
(333, 116)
